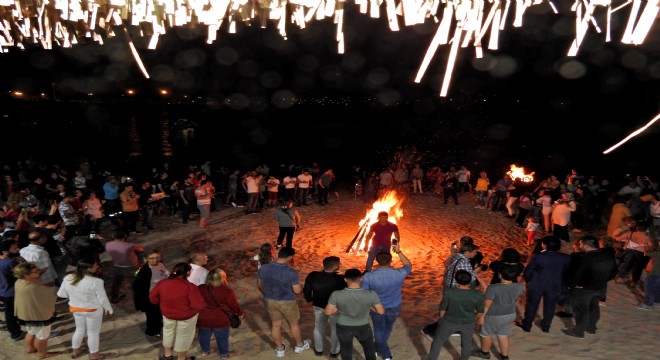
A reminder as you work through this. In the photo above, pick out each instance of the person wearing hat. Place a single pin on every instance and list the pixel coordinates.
(280, 284)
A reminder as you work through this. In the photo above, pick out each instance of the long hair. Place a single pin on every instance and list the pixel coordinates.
(266, 254)
(217, 277)
(82, 269)
(180, 270)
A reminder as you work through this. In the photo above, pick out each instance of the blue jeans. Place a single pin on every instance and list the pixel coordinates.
(372, 255)
(221, 338)
(652, 288)
(383, 329)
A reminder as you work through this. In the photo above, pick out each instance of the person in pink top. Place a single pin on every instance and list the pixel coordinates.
(382, 232)
(124, 260)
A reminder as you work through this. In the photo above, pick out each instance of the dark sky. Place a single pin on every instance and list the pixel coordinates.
(526, 102)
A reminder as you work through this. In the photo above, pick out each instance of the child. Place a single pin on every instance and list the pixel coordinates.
(500, 304)
(532, 227)
(458, 310)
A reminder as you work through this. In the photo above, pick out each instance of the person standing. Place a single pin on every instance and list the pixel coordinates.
(483, 183)
(111, 195)
(186, 199)
(280, 284)
(129, 207)
(147, 205)
(288, 220)
(561, 215)
(595, 268)
(463, 176)
(304, 182)
(324, 186)
(289, 182)
(251, 187)
(387, 282)
(198, 273)
(417, 174)
(180, 302)
(449, 188)
(124, 262)
(352, 306)
(36, 254)
(35, 306)
(151, 273)
(7, 292)
(544, 276)
(88, 303)
(272, 185)
(204, 195)
(382, 232)
(460, 308)
(214, 320)
(319, 285)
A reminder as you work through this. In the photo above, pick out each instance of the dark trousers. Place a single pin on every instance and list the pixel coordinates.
(633, 261)
(291, 194)
(119, 274)
(450, 193)
(534, 297)
(302, 196)
(363, 334)
(10, 319)
(586, 309)
(185, 212)
(130, 221)
(288, 232)
(522, 215)
(561, 232)
(252, 202)
(323, 195)
(444, 331)
(154, 319)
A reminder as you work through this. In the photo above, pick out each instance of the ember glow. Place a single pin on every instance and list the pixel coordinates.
(391, 203)
(519, 172)
(66, 23)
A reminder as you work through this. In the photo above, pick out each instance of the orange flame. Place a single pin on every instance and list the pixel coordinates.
(519, 172)
(391, 203)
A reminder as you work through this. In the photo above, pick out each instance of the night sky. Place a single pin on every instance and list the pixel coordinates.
(254, 97)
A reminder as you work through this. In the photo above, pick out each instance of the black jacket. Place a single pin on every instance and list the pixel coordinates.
(319, 285)
(594, 270)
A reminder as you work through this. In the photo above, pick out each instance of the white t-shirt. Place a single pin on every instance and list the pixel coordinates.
(273, 184)
(463, 175)
(304, 181)
(251, 183)
(198, 274)
(289, 182)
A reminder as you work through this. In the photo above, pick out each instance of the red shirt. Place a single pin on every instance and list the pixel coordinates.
(220, 302)
(383, 234)
(179, 299)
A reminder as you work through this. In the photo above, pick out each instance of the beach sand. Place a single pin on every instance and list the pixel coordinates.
(427, 228)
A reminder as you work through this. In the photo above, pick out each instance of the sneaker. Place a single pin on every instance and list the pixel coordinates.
(427, 335)
(573, 334)
(281, 352)
(20, 337)
(644, 307)
(480, 354)
(298, 349)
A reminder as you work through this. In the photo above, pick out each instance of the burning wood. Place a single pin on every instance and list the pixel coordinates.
(519, 172)
(391, 203)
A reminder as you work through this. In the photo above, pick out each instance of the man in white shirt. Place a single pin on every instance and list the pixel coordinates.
(304, 182)
(198, 273)
(290, 187)
(251, 187)
(35, 253)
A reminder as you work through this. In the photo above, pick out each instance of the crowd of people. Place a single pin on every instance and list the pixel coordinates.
(51, 249)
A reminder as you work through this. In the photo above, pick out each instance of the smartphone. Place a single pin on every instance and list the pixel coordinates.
(92, 235)
(395, 242)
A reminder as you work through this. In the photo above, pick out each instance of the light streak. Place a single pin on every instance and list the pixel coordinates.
(65, 23)
(633, 134)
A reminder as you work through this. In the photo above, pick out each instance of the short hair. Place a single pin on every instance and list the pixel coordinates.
(607, 241)
(510, 255)
(465, 240)
(590, 241)
(196, 256)
(352, 274)
(286, 252)
(216, 277)
(384, 258)
(23, 270)
(9, 234)
(36, 236)
(463, 277)
(383, 213)
(467, 248)
(7, 244)
(508, 273)
(330, 262)
(552, 243)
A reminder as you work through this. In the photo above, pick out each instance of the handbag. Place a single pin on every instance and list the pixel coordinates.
(234, 320)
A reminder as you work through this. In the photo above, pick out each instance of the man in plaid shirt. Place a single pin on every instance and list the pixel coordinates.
(461, 261)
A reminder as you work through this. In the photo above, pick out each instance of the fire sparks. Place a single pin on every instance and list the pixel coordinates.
(464, 23)
(519, 172)
(391, 203)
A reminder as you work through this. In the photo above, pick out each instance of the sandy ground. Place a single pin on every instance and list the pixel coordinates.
(427, 229)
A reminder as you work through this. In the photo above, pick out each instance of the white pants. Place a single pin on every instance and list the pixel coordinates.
(87, 323)
(510, 202)
(179, 334)
(417, 184)
(320, 322)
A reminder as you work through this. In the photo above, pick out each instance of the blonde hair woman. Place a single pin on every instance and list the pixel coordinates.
(88, 302)
(221, 303)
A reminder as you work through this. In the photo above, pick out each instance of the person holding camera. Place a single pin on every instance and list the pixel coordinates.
(387, 282)
(288, 220)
